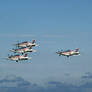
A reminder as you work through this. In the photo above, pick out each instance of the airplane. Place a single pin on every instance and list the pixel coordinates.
(23, 50)
(19, 57)
(69, 52)
(26, 44)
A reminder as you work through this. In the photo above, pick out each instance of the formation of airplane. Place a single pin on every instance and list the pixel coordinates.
(69, 52)
(23, 48)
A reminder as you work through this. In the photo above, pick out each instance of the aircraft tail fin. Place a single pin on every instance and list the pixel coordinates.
(77, 49)
(26, 55)
(33, 41)
(30, 47)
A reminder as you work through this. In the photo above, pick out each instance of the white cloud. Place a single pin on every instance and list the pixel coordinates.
(19, 83)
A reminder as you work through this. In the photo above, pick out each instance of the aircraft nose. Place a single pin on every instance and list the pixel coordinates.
(57, 52)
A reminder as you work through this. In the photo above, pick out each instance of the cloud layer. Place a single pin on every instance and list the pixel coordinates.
(12, 83)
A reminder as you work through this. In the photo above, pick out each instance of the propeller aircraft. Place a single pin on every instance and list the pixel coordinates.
(23, 50)
(69, 52)
(26, 44)
(18, 57)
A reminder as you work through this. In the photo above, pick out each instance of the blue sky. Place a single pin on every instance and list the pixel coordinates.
(55, 24)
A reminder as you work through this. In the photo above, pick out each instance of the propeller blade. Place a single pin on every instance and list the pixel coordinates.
(8, 55)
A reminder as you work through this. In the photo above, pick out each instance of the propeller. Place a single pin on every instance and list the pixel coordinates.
(8, 55)
(58, 52)
(61, 50)
(17, 45)
(13, 49)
